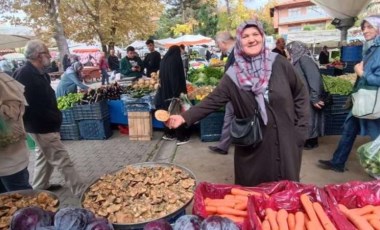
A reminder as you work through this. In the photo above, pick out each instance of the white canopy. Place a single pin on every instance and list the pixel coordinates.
(190, 39)
(342, 8)
(14, 36)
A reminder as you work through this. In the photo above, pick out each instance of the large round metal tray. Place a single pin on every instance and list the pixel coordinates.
(140, 225)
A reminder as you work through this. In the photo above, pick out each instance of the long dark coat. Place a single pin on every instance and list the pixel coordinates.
(309, 72)
(278, 157)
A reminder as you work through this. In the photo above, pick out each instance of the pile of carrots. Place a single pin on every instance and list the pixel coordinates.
(233, 206)
(365, 218)
(314, 218)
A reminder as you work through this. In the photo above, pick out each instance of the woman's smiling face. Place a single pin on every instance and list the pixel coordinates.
(252, 41)
(369, 32)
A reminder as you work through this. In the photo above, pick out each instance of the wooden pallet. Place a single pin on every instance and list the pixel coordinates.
(140, 126)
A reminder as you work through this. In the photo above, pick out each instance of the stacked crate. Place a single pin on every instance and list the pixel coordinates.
(335, 115)
(69, 128)
(211, 127)
(93, 120)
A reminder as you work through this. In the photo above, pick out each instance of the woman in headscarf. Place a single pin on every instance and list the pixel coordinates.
(14, 155)
(368, 72)
(308, 69)
(260, 80)
(172, 84)
(70, 80)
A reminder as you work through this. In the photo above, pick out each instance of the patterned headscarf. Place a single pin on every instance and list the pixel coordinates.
(296, 50)
(252, 73)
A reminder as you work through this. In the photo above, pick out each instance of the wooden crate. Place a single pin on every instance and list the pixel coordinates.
(140, 126)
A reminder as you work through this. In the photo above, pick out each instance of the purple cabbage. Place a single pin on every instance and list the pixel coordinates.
(30, 218)
(160, 224)
(73, 219)
(218, 223)
(188, 222)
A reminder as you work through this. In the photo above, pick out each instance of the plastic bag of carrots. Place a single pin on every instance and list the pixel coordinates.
(305, 207)
(359, 202)
(231, 201)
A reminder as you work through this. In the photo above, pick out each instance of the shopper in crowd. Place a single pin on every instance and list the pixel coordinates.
(70, 80)
(153, 59)
(226, 43)
(368, 72)
(324, 56)
(14, 154)
(66, 62)
(42, 120)
(103, 66)
(280, 47)
(260, 79)
(306, 67)
(131, 65)
(185, 59)
(53, 67)
(113, 62)
(5, 66)
(172, 84)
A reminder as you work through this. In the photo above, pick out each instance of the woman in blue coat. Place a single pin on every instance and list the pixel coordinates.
(368, 72)
(70, 80)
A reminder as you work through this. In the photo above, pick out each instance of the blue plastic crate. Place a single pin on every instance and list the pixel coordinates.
(211, 127)
(116, 110)
(351, 53)
(69, 132)
(157, 124)
(137, 107)
(97, 110)
(95, 129)
(68, 116)
(334, 123)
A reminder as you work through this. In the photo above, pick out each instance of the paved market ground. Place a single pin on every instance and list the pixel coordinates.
(93, 159)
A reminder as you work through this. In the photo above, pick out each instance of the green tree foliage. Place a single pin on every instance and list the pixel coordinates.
(207, 20)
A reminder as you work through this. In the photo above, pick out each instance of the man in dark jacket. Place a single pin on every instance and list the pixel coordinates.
(42, 120)
(153, 59)
(280, 47)
(113, 62)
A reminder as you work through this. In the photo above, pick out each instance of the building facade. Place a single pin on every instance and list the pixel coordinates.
(298, 15)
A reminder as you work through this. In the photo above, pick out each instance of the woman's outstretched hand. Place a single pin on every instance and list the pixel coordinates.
(174, 121)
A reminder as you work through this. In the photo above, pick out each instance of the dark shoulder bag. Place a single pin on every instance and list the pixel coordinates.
(246, 131)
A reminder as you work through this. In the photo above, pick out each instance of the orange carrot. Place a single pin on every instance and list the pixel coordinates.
(238, 191)
(282, 219)
(237, 219)
(359, 221)
(363, 210)
(265, 225)
(323, 218)
(241, 198)
(210, 209)
(371, 216)
(229, 197)
(220, 202)
(272, 218)
(241, 206)
(308, 206)
(291, 221)
(299, 221)
(311, 225)
(375, 223)
(230, 211)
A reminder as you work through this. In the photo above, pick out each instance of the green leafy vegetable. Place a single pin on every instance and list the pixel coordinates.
(336, 85)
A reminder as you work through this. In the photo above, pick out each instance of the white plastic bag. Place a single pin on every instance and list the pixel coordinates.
(369, 157)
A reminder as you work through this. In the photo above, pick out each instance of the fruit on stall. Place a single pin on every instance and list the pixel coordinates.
(200, 93)
(188, 222)
(216, 62)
